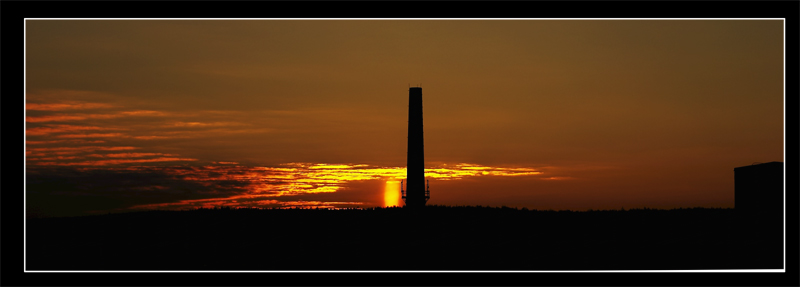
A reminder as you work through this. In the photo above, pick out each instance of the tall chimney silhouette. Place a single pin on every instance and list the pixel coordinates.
(416, 193)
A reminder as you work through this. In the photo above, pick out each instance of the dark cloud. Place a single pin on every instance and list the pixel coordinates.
(71, 191)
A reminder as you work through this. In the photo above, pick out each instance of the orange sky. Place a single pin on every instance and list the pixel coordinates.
(561, 114)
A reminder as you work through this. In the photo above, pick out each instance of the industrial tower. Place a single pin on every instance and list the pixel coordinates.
(416, 193)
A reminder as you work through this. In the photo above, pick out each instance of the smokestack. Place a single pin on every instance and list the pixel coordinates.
(415, 195)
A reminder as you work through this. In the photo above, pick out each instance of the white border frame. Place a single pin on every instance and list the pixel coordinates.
(417, 271)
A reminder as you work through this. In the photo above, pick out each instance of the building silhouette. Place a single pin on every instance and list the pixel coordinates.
(759, 205)
(416, 193)
(758, 189)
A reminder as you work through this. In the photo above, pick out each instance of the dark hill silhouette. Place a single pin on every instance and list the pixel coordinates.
(446, 238)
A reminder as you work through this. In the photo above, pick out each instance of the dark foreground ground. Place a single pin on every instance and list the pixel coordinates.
(436, 238)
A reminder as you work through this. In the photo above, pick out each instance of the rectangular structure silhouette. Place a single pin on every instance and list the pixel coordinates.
(758, 188)
(759, 205)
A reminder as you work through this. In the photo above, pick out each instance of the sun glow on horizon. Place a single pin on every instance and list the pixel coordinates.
(391, 194)
(259, 186)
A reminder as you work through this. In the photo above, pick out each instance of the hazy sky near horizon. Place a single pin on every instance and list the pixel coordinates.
(555, 114)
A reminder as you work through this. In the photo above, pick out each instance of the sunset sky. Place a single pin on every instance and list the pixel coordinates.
(125, 115)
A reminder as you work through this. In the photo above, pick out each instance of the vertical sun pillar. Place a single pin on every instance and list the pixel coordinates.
(415, 194)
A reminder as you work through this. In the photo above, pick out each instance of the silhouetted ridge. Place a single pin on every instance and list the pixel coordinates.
(452, 238)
